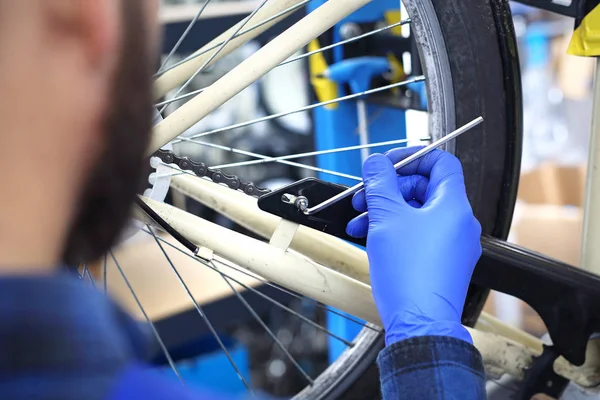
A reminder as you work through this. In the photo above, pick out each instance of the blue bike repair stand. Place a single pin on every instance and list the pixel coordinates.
(338, 126)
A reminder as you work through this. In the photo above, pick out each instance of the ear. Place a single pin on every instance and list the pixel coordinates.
(95, 24)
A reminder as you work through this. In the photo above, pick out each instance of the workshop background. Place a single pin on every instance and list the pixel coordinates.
(557, 94)
(557, 115)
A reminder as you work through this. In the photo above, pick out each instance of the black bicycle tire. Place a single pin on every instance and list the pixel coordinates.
(487, 84)
(482, 52)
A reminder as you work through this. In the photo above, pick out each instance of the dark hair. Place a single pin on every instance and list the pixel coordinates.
(106, 198)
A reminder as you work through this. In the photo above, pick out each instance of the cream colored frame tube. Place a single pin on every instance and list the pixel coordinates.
(253, 68)
(180, 74)
(293, 270)
(243, 210)
(325, 249)
(304, 276)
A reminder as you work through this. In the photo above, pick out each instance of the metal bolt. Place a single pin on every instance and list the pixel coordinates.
(288, 198)
(301, 203)
(350, 30)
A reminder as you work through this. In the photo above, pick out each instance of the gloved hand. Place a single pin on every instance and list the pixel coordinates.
(423, 242)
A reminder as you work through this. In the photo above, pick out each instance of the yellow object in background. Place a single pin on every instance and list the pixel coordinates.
(393, 17)
(586, 38)
(324, 88)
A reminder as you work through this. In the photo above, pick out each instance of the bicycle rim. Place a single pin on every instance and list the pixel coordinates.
(348, 368)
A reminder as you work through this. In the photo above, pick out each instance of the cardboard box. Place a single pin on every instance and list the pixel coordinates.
(574, 75)
(552, 230)
(549, 229)
(553, 184)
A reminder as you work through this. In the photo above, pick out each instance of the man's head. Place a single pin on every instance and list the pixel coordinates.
(76, 113)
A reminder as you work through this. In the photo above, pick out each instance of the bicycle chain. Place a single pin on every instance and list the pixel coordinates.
(203, 171)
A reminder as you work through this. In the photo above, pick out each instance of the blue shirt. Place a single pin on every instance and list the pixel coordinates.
(61, 339)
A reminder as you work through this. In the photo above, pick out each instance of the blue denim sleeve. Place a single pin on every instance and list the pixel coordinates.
(431, 368)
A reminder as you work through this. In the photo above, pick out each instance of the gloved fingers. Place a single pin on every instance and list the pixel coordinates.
(449, 189)
(399, 154)
(359, 226)
(428, 165)
(412, 187)
(415, 203)
(443, 169)
(381, 185)
(359, 201)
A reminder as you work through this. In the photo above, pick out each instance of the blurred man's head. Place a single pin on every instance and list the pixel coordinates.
(75, 77)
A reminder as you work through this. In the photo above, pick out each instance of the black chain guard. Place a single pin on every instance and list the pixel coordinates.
(332, 220)
(566, 298)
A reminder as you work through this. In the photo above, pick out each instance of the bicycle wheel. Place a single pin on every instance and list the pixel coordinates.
(471, 69)
(478, 74)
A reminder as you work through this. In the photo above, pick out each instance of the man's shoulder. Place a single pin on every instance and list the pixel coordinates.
(141, 382)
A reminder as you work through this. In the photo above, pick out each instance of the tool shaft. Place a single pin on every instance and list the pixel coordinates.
(352, 190)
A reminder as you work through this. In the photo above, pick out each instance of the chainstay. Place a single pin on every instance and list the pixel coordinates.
(203, 171)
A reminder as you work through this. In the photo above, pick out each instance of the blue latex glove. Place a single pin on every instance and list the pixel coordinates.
(423, 242)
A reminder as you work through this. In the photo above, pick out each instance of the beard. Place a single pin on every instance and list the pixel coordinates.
(109, 190)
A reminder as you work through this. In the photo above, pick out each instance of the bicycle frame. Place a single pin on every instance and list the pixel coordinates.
(253, 68)
(302, 275)
(343, 283)
(255, 26)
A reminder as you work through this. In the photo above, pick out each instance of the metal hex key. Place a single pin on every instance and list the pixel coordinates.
(350, 191)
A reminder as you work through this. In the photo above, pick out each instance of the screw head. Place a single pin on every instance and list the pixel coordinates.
(301, 203)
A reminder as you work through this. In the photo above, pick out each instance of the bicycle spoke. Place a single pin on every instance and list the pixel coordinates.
(343, 42)
(139, 303)
(250, 288)
(89, 275)
(297, 58)
(266, 328)
(300, 297)
(182, 97)
(266, 282)
(261, 156)
(82, 272)
(201, 312)
(266, 21)
(299, 160)
(105, 262)
(217, 52)
(183, 36)
(297, 314)
(302, 109)
(317, 153)
(250, 70)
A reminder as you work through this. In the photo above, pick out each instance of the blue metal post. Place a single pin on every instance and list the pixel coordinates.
(338, 127)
